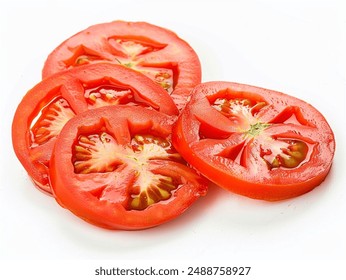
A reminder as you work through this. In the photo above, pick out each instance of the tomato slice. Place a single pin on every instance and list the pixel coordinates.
(47, 107)
(152, 50)
(255, 142)
(116, 168)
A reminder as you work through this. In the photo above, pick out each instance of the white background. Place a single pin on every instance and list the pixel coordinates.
(296, 47)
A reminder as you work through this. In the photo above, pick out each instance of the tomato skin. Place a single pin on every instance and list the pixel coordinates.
(73, 191)
(169, 52)
(70, 86)
(247, 173)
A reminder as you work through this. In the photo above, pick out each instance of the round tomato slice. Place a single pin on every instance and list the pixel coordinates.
(154, 51)
(255, 142)
(46, 108)
(116, 168)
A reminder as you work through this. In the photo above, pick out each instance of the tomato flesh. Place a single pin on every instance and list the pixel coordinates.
(122, 170)
(253, 141)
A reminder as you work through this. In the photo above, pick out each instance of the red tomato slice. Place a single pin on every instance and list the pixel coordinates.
(154, 51)
(255, 142)
(46, 108)
(116, 168)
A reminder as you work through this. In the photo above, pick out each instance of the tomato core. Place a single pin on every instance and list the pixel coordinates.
(100, 153)
(277, 153)
(256, 129)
